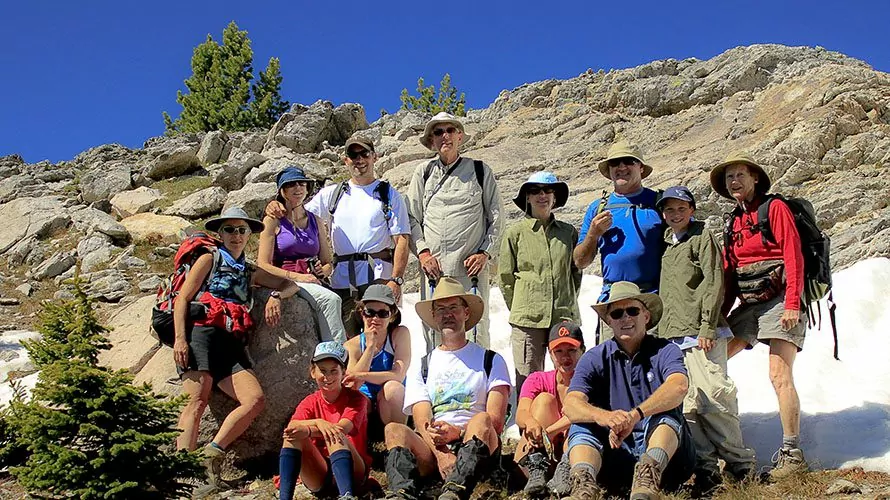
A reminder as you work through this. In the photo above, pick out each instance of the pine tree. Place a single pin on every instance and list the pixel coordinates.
(219, 90)
(88, 431)
(267, 105)
(429, 101)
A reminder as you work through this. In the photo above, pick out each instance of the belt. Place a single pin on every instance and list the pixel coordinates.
(385, 255)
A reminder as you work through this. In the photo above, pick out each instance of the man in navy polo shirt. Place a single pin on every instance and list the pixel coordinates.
(625, 403)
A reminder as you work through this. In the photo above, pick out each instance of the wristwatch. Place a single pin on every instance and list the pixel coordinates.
(398, 280)
(275, 294)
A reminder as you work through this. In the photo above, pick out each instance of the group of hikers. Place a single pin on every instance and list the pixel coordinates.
(645, 410)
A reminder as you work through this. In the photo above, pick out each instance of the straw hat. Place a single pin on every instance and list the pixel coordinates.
(718, 174)
(622, 290)
(623, 149)
(448, 287)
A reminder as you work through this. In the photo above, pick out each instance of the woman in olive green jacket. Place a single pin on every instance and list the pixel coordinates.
(539, 279)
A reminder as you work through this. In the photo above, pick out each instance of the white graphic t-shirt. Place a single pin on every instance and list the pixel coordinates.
(456, 387)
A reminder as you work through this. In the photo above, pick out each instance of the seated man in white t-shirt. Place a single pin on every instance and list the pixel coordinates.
(458, 398)
(367, 222)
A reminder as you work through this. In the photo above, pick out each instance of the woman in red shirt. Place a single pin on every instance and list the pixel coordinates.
(767, 277)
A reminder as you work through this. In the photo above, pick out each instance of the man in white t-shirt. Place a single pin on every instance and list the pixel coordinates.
(458, 398)
(367, 222)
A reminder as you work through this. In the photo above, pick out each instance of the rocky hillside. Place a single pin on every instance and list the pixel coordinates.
(817, 119)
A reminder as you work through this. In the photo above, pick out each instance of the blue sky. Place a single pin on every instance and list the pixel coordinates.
(81, 74)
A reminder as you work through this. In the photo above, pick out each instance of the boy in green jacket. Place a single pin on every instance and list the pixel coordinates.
(692, 293)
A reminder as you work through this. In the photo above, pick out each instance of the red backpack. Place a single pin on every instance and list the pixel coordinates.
(194, 246)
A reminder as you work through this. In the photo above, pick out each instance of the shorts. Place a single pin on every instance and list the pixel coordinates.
(618, 464)
(762, 322)
(215, 351)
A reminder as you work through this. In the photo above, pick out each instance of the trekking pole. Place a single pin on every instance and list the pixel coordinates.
(475, 282)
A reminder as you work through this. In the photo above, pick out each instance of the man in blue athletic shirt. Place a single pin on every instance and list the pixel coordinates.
(623, 227)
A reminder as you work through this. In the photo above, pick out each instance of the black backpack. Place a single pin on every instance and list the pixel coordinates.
(487, 364)
(815, 246)
(381, 190)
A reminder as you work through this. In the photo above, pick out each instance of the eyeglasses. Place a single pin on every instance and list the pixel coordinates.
(355, 154)
(439, 132)
(540, 189)
(627, 160)
(379, 313)
(295, 183)
(452, 310)
(633, 312)
(235, 229)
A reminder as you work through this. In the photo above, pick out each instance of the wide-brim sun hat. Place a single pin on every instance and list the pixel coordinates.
(718, 174)
(234, 213)
(622, 290)
(441, 118)
(448, 287)
(623, 149)
(543, 179)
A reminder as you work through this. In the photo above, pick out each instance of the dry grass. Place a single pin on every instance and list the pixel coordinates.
(179, 187)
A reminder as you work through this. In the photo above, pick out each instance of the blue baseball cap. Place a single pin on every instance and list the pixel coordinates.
(291, 174)
(678, 193)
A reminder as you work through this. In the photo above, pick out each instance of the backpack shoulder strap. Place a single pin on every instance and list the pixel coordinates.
(382, 191)
(729, 220)
(341, 190)
(428, 170)
(480, 173)
(425, 367)
(489, 362)
(766, 232)
(604, 200)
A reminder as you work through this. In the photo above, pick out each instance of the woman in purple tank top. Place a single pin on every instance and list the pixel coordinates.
(292, 247)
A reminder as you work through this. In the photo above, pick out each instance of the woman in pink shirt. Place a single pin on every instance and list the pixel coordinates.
(539, 413)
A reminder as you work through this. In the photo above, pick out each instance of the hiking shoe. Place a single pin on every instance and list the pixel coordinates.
(398, 495)
(560, 484)
(584, 486)
(537, 464)
(347, 496)
(705, 483)
(213, 461)
(452, 491)
(789, 461)
(647, 477)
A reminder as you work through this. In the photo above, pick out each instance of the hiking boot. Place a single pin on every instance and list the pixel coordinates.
(452, 491)
(789, 461)
(537, 464)
(560, 484)
(647, 477)
(706, 483)
(401, 473)
(584, 486)
(471, 461)
(213, 461)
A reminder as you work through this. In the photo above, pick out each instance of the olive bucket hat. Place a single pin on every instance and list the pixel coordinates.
(622, 290)
(623, 149)
(718, 174)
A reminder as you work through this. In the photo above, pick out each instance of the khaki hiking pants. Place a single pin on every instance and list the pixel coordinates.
(712, 411)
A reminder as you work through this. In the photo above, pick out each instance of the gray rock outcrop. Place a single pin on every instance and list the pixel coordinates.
(200, 204)
(136, 201)
(252, 198)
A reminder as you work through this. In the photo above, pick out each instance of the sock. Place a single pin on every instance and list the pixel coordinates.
(789, 442)
(218, 447)
(341, 465)
(660, 456)
(289, 462)
(585, 466)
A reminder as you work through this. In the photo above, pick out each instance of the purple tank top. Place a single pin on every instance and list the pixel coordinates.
(293, 243)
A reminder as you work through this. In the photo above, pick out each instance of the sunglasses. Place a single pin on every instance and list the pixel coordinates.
(235, 229)
(633, 312)
(379, 313)
(629, 161)
(355, 154)
(295, 183)
(540, 189)
(439, 132)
